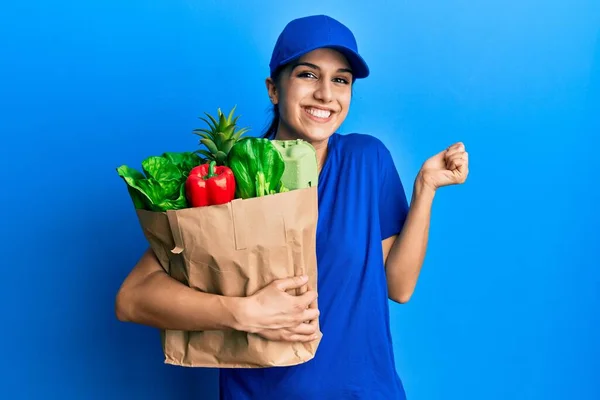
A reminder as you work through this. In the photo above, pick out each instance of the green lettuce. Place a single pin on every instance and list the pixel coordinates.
(161, 186)
(257, 166)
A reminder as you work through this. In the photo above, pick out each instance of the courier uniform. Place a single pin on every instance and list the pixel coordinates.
(361, 202)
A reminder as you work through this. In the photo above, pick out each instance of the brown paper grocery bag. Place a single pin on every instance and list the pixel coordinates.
(235, 249)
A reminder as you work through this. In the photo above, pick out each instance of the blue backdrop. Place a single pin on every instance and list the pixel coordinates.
(507, 304)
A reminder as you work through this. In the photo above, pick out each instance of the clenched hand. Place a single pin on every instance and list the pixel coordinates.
(277, 315)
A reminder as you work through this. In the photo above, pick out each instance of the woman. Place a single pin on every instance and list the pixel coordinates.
(370, 242)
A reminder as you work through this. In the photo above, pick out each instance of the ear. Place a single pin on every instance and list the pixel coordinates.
(272, 90)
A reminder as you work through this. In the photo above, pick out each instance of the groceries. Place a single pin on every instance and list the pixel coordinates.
(246, 167)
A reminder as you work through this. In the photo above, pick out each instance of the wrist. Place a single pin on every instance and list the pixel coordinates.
(423, 190)
(236, 310)
(232, 312)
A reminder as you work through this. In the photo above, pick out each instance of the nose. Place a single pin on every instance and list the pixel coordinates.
(324, 92)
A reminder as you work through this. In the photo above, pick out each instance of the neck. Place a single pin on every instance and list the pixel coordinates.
(321, 150)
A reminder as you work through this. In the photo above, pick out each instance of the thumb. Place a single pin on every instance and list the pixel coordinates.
(293, 282)
(439, 157)
(441, 154)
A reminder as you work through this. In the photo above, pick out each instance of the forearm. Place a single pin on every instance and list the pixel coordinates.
(406, 256)
(155, 299)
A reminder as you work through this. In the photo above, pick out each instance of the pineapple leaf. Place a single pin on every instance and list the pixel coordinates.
(212, 127)
(205, 153)
(231, 115)
(228, 145)
(221, 157)
(216, 124)
(204, 135)
(228, 131)
(210, 145)
(203, 130)
(239, 133)
(222, 120)
(221, 138)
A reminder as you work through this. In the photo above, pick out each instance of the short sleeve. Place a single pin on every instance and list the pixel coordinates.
(393, 204)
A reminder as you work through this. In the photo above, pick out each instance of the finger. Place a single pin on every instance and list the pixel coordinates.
(441, 154)
(306, 299)
(302, 338)
(284, 335)
(310, 314)
(457, 146)
(455, 149)
(463, 169)
(293, 282)
(456, 160)
(300, 314)
(455, 163)
(459, 169)
(313, 304)
(303, 329)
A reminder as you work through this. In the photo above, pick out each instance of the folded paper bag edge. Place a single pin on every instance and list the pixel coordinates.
(237, 210)
(175, 231)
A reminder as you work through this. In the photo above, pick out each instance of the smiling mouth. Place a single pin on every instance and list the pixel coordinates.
(317, 113)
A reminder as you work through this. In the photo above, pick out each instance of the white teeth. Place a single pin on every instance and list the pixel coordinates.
(318, 113)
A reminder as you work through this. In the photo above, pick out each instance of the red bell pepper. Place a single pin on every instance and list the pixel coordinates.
(209, 185)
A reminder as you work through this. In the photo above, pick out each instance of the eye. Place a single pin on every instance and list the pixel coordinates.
(306, 74)
(342, 80)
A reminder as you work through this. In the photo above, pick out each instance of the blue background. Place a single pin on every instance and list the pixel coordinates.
(507, 303)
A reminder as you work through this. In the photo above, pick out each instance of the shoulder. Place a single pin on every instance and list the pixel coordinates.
(360, 142)
(364, 145)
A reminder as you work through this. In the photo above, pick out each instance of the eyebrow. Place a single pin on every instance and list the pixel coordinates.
(307, 64)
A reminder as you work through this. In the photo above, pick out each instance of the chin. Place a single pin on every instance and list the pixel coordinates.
(309, 131)
(316, 132)
(316, 135)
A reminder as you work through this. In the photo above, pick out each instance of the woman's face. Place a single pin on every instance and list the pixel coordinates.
(313, 95)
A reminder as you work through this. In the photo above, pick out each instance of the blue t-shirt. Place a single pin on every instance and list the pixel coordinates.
(361, 202)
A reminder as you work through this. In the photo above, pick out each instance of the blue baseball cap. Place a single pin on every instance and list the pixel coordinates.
(306, 34)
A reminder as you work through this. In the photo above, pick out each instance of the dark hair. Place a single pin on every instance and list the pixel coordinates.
(272, 129)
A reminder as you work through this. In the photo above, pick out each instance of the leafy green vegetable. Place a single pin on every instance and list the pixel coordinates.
(257, 166)
(184, 160)
(161, 186)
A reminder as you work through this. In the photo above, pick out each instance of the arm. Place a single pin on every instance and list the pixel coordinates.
(404, 253)
(150, 297)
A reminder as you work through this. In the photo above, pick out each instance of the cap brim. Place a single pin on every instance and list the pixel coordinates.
(359, 66)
